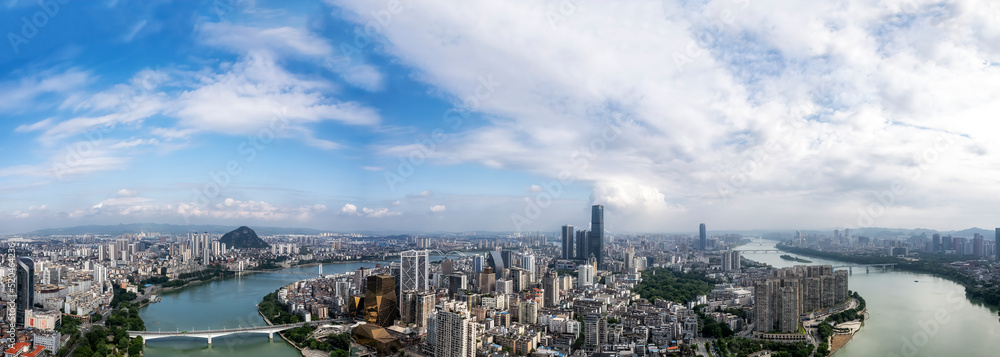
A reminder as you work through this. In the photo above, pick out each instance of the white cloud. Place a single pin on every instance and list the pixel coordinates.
(134, 30)
(349, 209)
(839, 97)
(379, 212)
(437, 208)
(127, 193)
(40, 125)
(294, 43)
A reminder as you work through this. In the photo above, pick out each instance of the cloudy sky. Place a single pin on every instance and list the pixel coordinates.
(500, 115)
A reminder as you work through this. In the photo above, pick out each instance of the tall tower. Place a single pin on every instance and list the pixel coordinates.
(596, 242)
(414, 270)
(581, 244)
(567, 242)
(703, 238)
(551, 285)
(25, 287)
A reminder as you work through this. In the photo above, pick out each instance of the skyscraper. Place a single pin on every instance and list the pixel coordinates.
(25, 287)
(414, 269)
(567, 242)
(456, 333)
(595, 245)
(417, 307)
(381, 307)
(997, 245)
(551, 285)
(703, 237)
(936, 243)
(581, 244)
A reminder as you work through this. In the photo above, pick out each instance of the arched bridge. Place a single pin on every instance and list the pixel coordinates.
(210, 334)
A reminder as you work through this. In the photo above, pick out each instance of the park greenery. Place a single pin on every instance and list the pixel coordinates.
(928, 263)
(275, 312)
(673, 286)
(95, 343)
(849, 314)
(211, 272)
(712, 328)
(741, 346)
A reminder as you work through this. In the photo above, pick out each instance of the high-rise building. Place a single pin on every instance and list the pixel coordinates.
(25, 287)
(736, 266)
(702, 237)
(595, 243)
(487, 281)
(457, 282)
(417, 307)
(551, 285)
(790, 292)
(585, 275)
(594, 327)
(581, 244)
(495, 260)
(447, 266)
(455, 331)
(996, 246)
(936, 245)
(978, 247)
(528, 263)
(414, 270)
(381, 306)
(567, 242)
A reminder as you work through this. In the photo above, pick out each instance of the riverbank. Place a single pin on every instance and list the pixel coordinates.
(927, 265)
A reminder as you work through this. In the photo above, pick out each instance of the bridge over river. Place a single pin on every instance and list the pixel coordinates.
(210, 334)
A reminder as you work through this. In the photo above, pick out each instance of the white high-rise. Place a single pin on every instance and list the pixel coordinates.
(528, 263)
(456, 332)
(414, 270)
(585, 275)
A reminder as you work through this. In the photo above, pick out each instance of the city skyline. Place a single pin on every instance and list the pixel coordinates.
(350, 115)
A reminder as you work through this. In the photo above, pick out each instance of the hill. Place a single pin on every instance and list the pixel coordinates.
(242, 238)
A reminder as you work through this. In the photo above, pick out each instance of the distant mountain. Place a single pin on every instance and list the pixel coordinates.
(163, 228)
(242, 238)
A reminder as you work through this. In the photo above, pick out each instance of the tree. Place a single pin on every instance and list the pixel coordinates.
(83, 351)
(135, 347)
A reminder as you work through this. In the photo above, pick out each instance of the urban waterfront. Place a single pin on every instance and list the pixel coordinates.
(910, 314)
(226, 303)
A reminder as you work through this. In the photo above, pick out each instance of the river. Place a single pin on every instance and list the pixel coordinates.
(911, 314)
(226, 303)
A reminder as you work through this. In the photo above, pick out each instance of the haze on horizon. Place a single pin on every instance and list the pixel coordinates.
(450, 116)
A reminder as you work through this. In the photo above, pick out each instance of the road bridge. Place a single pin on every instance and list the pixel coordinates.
(210, 334)
(850, 267)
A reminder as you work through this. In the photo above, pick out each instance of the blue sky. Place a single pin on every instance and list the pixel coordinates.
(426, 116)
